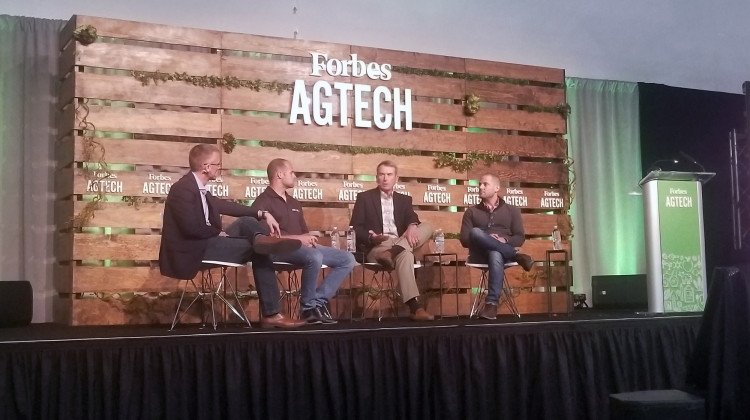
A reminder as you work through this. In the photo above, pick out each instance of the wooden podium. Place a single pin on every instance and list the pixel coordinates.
(675, 243)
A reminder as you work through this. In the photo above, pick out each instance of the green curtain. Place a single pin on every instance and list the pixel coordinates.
(29, 49)
(607, 211)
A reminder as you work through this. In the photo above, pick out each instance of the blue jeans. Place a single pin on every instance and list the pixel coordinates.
(340, 264)
(240, 250)
(486, 249)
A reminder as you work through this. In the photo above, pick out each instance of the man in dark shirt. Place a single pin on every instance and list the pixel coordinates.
(288, 212)
(492, 230)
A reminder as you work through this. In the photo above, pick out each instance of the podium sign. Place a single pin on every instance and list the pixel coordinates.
(675, 244)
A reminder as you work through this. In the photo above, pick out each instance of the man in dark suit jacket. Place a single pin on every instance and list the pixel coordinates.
(388, 231)
(192, 232)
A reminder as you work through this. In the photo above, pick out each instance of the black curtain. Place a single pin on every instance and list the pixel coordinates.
(698, 123)
(720, 367)
(556, 371)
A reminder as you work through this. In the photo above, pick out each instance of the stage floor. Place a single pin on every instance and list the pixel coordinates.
(49, 332)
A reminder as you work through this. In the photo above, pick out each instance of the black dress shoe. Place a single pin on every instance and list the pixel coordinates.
(525, 261)
(270, 245)
(327, 318)
(317, 316)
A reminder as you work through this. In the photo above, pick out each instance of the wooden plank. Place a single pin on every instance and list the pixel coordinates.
(128, 89)
(152, 121)
(152, 32)
(411, 59)
(114, 310)
(64, 211)
(64, 149)
(67, 90)
(515, 71)
(536, 172)
(64, 183)
(66, 33)
(279, 129)
(320, 162)
(149, 59)
(283, 71)
(250, 100)
(437, 113)
(463, 142)
(281, 46)
(67, 59)
(505, 93)
(139, 152)
(421, 86)
(506, 119)
(63, 242)
(115, 247)
(66, 122)
(408, 166)
(317, 190)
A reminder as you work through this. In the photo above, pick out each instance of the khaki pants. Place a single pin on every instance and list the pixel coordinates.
(404, 261)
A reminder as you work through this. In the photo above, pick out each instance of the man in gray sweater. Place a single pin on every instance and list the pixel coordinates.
(492, 230)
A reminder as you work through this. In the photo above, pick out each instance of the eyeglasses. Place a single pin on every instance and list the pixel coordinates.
(213, 164)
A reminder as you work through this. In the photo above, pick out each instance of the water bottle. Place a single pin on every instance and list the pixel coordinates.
(335, 238)
(351, 240)
(556, 238)
(439, 241)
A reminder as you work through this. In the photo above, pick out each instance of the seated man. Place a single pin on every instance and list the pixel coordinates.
(288, 212)
(389, 231)
(492, 230)
(192, 232)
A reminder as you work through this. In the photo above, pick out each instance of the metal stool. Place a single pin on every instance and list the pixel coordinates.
(382, 287)
(210, 290)
(290, 291)
(506, 296)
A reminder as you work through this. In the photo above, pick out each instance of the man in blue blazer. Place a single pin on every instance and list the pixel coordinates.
(192, 232)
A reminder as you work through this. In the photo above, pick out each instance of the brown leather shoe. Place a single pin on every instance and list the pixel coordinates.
(421, 315)
(525, 261)
(385, 259)
(280, 321)
(270, 245)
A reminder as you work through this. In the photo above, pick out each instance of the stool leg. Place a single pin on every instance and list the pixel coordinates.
(179, 314)
(477, 305)
(508, 299)
(239, 311)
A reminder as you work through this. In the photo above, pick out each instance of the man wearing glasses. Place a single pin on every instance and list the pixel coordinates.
(192, 232)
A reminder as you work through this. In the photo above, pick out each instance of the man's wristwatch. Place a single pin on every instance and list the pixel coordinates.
(262, 214)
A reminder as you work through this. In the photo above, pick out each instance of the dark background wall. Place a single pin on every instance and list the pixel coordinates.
(698, 123)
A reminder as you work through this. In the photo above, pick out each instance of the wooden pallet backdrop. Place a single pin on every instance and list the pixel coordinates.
(107, 271)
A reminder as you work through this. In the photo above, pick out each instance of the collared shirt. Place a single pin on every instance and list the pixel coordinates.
(490, 207)
(203, 191)
(389, 219)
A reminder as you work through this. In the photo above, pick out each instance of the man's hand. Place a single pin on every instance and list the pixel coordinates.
(376, 239)
(307, 239)
(499, 238)
(411, 235)
(273, 225)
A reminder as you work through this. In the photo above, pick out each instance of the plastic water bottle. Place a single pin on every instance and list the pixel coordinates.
(439, 241)
(556, 238)
(335, 238)
(351, 240)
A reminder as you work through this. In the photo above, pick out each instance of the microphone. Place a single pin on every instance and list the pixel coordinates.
(693, 161)
(655, 167)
